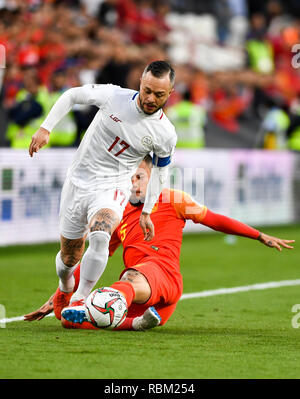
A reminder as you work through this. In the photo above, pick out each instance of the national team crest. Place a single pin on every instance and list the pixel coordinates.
(147, 142)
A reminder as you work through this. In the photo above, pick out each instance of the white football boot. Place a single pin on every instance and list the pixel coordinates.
(149, 319)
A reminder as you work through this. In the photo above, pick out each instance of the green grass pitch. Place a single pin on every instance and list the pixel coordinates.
(247, 335)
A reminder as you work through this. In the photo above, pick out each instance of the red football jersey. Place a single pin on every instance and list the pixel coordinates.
(168, 216)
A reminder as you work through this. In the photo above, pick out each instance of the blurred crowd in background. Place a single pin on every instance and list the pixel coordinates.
(236, 61)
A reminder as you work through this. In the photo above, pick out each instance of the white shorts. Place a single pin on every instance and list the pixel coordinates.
(78, 206)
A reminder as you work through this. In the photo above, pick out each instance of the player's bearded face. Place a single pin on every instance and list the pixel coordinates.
(154, 93)
(139, 185)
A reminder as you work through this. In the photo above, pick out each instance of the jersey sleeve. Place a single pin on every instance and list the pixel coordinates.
(156, 183)
(228, 225)
(97, 94)
(162, 152)
(87, 94)
(186, 207)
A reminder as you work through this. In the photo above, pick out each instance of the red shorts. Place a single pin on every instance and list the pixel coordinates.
(166, 286)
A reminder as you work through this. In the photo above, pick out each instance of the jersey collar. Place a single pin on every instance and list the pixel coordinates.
(156, 115)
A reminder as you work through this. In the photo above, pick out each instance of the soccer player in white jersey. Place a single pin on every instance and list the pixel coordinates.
(128, 126)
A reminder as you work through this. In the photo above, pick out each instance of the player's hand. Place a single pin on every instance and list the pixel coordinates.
(38, 140)
(275, 242)
(41, 312)
(147, 226)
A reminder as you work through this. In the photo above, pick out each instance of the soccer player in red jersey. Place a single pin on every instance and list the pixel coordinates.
(151, 281)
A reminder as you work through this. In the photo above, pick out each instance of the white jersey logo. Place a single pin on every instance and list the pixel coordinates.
(114, 118)
(147, 142)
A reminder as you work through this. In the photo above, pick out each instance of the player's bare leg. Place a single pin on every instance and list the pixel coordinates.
(94, 261)
(67, 260)
(142, 289)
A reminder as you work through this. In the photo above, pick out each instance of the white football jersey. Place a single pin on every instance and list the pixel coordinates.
(118, 138)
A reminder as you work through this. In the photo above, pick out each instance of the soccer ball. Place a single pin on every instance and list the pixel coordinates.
(107, 307)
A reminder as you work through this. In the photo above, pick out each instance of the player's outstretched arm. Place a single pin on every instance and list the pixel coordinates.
(275, 242)
(87, 94)
(40, 313)
(61, 107)
(188, 208)
(232, 226)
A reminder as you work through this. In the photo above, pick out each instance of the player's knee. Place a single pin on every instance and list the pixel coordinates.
(140, 285)
(99, 243)
(132, 276)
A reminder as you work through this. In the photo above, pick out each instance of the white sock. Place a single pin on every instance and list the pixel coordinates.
(65, 274)
(93, 263)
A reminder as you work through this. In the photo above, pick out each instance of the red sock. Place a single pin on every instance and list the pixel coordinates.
(126, 289)
(126, 325)
(76, 275)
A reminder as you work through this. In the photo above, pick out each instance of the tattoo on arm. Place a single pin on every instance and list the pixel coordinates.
(51, 300)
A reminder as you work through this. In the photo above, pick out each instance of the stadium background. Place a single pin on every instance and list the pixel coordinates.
(237, 87)
(236, 107)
